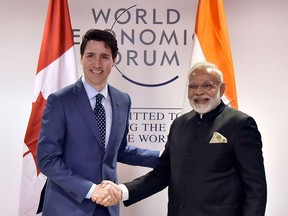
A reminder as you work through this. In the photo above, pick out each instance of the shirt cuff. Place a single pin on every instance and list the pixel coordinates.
(89, 194)
(125, 192)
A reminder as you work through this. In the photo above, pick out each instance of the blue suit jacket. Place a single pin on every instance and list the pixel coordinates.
(70, 155)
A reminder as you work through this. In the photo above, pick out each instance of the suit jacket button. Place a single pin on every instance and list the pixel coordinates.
(181, 205)
(185, 170)
(182, 188)
(73, 195)
(194, 137)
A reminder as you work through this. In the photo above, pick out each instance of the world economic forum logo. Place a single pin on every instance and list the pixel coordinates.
(149, 41)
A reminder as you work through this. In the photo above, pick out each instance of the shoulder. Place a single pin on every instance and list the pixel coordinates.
(230, 112)
(67, 93)
(233, 117)
(184, 119)
(74, 88)
(118, 93)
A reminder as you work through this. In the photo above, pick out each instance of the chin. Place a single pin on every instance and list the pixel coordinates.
(202, 109)
(205, 108)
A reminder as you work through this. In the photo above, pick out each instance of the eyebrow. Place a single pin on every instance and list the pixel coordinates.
(93, 53)
(205, 82)
(89, 53)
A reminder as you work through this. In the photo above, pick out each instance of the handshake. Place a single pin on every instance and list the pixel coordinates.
(107, 194)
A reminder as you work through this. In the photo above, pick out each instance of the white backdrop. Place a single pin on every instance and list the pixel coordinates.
(258, 32)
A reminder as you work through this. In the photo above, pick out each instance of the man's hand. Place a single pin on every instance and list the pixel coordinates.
(107, 194)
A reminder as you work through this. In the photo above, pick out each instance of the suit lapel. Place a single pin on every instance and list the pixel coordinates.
(116, 117)
(83, 104)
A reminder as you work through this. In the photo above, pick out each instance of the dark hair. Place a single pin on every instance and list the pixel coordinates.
(100, 35)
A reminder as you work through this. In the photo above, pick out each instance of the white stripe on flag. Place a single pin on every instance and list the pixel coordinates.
(62, 69)
(196, 56)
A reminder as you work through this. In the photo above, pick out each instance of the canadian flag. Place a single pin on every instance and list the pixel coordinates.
(56, 69)
(210, 42)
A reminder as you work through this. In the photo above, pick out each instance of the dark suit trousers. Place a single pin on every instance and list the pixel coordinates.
(101, 211)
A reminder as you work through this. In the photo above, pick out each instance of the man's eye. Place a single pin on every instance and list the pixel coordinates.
(193, 87)
(105, 56)
(207, 86)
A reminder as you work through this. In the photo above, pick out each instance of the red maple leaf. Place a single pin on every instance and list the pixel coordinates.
(33, 128)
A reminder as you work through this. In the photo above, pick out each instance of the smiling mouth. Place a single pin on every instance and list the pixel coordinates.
(201, 100)
(96, 71)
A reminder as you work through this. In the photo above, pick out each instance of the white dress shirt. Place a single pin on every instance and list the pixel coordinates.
(106, 102)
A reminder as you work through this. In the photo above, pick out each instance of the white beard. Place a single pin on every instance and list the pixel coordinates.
(205, 108)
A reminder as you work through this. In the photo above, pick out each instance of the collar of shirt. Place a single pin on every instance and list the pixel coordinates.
(211, 115)
(92, 92)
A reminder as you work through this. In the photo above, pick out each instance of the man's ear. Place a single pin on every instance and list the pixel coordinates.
(222, 89)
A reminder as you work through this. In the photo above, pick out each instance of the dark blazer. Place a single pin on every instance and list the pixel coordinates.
(70, 155)
(209, 179)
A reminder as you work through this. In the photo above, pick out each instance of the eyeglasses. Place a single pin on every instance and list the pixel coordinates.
(206, 86)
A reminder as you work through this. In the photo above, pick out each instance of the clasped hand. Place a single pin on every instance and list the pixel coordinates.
(107, 194)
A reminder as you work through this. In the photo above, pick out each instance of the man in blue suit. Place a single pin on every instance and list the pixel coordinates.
(70, 152)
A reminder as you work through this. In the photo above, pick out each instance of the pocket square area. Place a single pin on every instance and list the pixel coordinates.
(218, 138)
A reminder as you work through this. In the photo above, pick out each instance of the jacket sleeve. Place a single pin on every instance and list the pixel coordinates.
(133, 155)
(248, 151)
(151, 183)
(50, 152)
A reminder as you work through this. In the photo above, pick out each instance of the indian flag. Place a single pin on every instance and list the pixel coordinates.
(210, 42)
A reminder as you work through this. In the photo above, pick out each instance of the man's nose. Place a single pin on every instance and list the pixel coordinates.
(199, 90)
(97, 62)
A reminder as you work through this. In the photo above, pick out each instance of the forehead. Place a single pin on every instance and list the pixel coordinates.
(97, 47)
(200, 75)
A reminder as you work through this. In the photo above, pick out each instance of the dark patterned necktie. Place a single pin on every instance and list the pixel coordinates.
(99, 113)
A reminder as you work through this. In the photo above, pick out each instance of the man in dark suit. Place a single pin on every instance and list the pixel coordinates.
(70, 150)
(212, 162)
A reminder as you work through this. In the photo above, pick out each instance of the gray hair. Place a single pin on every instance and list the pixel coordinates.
(207, 66)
